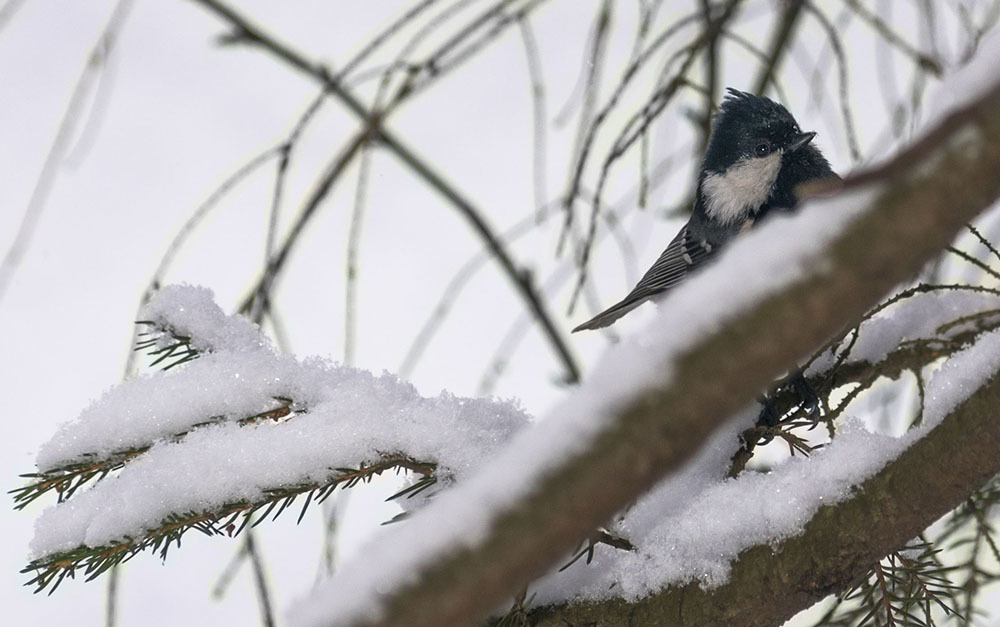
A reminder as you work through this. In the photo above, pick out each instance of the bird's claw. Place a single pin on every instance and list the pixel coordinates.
(808, 399)
(768, 416)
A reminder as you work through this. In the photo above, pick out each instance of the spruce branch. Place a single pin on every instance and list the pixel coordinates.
(970, 529)
(65, 480)
(229, 520)
(165, 345)
(907, 587)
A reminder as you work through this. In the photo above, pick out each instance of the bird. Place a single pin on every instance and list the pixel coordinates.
(756, 158)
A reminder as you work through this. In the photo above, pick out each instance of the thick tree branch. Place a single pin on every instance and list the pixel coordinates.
(919, 202)
(769, 584)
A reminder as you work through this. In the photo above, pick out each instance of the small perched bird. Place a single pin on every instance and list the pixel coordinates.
(757, 155)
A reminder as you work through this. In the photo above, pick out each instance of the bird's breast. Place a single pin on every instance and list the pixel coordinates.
(732, 196)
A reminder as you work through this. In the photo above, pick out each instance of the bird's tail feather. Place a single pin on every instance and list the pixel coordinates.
(612, 313)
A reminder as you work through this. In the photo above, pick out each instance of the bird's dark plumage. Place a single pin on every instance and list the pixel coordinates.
(756, 157)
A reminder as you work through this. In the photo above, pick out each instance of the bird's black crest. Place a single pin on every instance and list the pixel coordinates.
(743, 120)
(750, 107)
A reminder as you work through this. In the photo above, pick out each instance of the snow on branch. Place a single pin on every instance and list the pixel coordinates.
(190, 314)
(654, 401)
(238, 431)
(693, 527)
(886, 490)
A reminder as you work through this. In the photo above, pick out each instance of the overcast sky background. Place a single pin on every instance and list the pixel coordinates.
(176, 115)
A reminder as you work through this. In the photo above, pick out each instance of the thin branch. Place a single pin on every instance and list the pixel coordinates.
(973, 261)
(67, 126)
(52, 569)
(353, 254)
(7, 12)
(587, 123)
(265, 284)
(538, 109)
(982, 240)
(843, 81)
(780, 42)
(259, 579)
(711, 76)
(583, 155)
(111, 600)
(760, 55)
(229, 572)
(373, 127)
(924, 61)
(464, 275)
(202, 211)
(378, 40)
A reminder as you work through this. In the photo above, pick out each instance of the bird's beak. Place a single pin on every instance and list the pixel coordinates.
(800, 140)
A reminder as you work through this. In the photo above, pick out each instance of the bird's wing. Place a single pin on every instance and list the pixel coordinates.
(683, 255)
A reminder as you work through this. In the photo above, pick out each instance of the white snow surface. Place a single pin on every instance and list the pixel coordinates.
(750, 270)
(346, 417)
(237, 376)
(216, 386)
(920, 316)
(191, 311)
(969, 82)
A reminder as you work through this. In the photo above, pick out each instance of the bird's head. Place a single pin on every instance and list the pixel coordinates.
(752, 138)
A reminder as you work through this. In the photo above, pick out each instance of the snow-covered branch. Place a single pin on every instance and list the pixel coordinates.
(776, 574)
(654, 402)
(237, 431)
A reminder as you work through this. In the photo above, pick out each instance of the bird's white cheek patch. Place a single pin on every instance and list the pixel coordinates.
(741, 189)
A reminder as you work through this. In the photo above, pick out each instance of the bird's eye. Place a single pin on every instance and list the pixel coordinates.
(762, 149)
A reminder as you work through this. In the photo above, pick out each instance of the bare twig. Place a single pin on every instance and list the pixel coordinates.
(111, 602)
(373, 127)
(229, 572)
(711, 76)
(972, 260)
(8, 10)
(540, 116)
(843, 82)
(582, 156)
(375, 42)
(334, 170)
(259, 579)
(780, 42)
(584, 135)
(924, 61)
(46, 178)
(353, 254)
(760, 55)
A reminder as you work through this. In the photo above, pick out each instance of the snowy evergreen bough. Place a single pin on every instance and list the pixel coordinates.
(236, 435)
